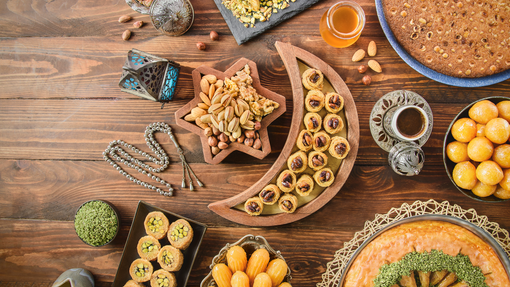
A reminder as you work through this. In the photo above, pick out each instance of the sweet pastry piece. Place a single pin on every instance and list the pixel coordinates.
(257, 263)
(141, 270)
(170, 258)
(254, 206)
(313, 79)
(314, 101)
(304, 185)
(148, 248)
(305, 140)
(297, 162)
(163, 278)
(180, 234)
(317, 160)
(313, 122)
(133, 283)
(324, 177)
(333, 123)
(236, 259)
(427, 243)
(286, 181)
(270, 194)
(222, 275)
(334, 102)
(339, 147)
(288, 203)
(156, 224)
(321, 141)
(277, 269)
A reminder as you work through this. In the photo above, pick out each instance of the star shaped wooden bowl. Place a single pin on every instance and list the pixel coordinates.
(266, 121)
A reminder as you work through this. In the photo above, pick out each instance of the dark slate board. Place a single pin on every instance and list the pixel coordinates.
(243, 34)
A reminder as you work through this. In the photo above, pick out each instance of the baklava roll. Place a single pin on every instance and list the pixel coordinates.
(286, 181)
(163, 278)
(304, 185)
(270, 194)
(317, 160)
(314, 101)
(321, 141)
(339, 147)
(334, 103)
(333, 123)
(297, 162)
(180, 234)
(313, 79)
(305, 140)
(148, 248)
(156, 224)
(133, 283)
(288, 203)
(324, 177)
(140, 270)
(313, 122)
(254, 206)
(170, 258)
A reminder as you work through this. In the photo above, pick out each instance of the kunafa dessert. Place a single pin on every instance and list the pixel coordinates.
(288, 203)
(297, 162)
(170, 258)
(254, 206)
(286, 181)
(314, 101)
(141, 270)
(180, 234)
(163, 278)
(148, 248)
(313, 79)
(156, 224)
(304, 185)
(270, 194)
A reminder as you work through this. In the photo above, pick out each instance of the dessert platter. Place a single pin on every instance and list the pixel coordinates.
(456, 43)
(317, 176)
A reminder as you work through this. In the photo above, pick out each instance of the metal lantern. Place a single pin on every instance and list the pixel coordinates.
(149, 76)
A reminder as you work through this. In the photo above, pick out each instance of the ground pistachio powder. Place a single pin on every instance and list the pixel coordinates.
(96, 223)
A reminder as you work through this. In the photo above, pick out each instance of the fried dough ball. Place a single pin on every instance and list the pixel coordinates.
(505, 182)
(501, 155)
(483, 190)
(483, 111)
(504, 110)
(502, 193)
(464, 130)
(480, 130)
(489, 172)
(497, 130)
(464, 175)
(480, 149)
(457, 151)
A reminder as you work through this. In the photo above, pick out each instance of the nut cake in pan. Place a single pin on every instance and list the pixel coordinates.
(459, 38)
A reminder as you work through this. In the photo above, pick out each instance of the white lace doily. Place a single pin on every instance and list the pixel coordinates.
(331, 277)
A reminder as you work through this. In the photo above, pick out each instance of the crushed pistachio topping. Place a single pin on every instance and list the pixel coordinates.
(180, 231)
(163, 281)
(168, 257)
(156, 225)
(96, 223)
(390, 274)
(250, 11)
(141, 270)
(148, 246)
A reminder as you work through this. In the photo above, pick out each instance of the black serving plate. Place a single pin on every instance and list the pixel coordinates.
(449, 165)
(137, 231)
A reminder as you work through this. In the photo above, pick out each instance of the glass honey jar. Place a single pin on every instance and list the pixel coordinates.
(342, 24)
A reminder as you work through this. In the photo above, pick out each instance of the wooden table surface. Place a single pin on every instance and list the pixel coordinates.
(60, 106)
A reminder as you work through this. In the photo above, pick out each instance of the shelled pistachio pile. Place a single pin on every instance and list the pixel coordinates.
(249, 11)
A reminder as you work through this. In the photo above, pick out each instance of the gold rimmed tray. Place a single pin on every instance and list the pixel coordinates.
(296, 60)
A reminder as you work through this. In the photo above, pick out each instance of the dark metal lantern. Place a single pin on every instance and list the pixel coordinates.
(148, 76)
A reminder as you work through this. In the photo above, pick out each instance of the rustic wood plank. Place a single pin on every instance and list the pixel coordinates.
(53, 190)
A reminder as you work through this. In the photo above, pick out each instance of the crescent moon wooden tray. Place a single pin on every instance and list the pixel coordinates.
(297, 60)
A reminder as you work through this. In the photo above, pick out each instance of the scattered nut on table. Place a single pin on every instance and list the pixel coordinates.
(124, 18)
(372, 49)
(201, 46)
(126, 35)
(138, 24)
(374, 65)
(214, 36)
(367, 80)
(362, 69)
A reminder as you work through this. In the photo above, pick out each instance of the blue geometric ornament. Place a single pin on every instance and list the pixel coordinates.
(149, 76)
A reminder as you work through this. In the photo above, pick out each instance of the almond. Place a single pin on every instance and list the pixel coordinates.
(372, 49)
(126, 35)
(210, 78)
(358, 56)
(374, 66)
(124, 18)
(205, 99)
(138, 24)
(204, 86)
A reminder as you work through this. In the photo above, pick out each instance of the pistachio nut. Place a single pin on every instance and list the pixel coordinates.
(206, 119)
(244, 117)
(229, 113)
(234, 123)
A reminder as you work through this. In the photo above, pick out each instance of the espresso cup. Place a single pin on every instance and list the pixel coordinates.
(406, 123)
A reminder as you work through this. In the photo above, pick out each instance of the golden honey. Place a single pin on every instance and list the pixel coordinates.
(342, 24)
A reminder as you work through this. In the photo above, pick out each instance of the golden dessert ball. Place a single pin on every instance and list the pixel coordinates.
(505, 182)
(480, 130)
(464, 175)
(464, 130)
(504, 110)
(480, 149)
(483, 111)
(483, 190)
(457, 151)
(497, 130)
(502, 193)
(501, 155)
(489, 172)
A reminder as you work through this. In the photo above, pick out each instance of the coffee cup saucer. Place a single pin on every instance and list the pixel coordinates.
(389, 101)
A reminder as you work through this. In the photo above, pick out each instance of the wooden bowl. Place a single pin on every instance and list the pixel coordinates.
(266, 121)
(450, 165)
